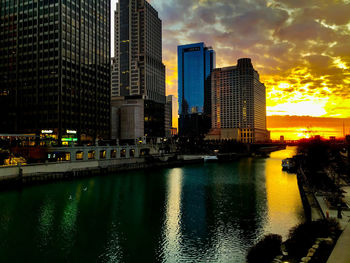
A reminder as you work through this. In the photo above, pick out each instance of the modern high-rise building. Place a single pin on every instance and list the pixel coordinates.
(171, 115)
(139, 71)
(195, 64)
(55, 68)
(114, 78)
(238, 104)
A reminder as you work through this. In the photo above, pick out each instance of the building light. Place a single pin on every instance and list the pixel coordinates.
(46, 131)
(71, 132)
(69, 139)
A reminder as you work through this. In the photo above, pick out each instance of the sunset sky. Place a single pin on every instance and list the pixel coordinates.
(300, 48)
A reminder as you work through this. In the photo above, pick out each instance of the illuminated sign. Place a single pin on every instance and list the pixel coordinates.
(69, 139)
(46, 131)
(192, 49)
(71, 132)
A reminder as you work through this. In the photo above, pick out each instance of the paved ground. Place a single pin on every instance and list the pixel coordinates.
(333, 213)
(341, 251)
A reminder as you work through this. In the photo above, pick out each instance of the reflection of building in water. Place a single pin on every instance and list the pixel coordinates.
(283, 198)
(172, 225)
(194, 213)
(220, 212)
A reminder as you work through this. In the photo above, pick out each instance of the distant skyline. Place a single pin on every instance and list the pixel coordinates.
(300, 48)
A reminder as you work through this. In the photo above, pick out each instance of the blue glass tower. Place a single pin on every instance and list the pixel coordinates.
(195, 64)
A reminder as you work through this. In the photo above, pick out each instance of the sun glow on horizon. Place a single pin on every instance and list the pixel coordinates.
(297, 133)
(311, 108)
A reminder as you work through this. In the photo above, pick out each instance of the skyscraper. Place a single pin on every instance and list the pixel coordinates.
(55, 67)
(195, 64)
(139, 70)
(238, 104)
(171, 115)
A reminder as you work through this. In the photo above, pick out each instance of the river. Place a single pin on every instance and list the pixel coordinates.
(198, 213)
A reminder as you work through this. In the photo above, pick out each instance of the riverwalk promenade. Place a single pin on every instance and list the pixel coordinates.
(316, 206)
(341, 251)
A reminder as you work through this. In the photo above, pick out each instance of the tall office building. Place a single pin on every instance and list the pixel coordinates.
(139, 71)
(238, 104)
(55, 67)
(114, 77)
(195, 64)
(171, 116)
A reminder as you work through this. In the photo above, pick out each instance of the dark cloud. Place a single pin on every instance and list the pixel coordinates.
(303, 43)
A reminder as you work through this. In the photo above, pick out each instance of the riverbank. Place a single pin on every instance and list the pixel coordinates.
(316, 207)
(323, 185)
(311, 206)
(41, 173)
(93, 161)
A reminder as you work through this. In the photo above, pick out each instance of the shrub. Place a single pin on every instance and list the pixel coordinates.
(303, 236)
(265, 250)
(3, 156)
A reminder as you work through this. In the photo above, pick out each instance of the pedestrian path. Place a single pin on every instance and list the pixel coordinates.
(341, 251)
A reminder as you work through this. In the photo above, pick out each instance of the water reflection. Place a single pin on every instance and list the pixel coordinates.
(46, 221)
(198, 213)
(219, 210)
(283, 197)
(172, 234)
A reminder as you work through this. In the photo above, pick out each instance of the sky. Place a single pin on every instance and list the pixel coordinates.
(301, 50)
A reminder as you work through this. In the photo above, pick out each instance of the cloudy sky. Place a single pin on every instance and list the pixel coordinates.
(301, 48)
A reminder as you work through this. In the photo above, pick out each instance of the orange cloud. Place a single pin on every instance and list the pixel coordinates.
(300, 48)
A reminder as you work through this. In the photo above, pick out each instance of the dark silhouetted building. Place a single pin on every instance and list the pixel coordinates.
(138, 71)
(55, 67)
(195, 64)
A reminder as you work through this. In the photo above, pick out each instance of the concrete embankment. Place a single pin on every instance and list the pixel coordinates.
(315, 210)
(311, 206)
(37, 173)
(51, 171)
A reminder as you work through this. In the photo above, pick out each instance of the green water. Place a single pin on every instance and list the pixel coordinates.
(197, 213)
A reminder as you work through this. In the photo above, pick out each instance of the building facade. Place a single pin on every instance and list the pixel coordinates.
(238, 104)
(195, 64)
(114, 78)
(55, 68)
(171, 116)
(139, 71)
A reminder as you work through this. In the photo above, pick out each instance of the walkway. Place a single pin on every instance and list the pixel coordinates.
(341, 251)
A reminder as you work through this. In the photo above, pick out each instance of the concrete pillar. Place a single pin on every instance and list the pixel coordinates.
(73, 155)
(86, 153)
(97, 153)
(137, 152)
(127, 154)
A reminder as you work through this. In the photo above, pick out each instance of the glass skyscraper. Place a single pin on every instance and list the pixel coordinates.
(195, 64)
(55, 67)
